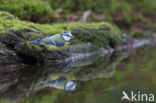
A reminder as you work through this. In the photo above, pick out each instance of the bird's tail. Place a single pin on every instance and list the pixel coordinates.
(34, 42)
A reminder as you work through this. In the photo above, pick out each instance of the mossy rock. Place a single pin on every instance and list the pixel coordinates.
(100, 37)
(15, 34)
(8, 21)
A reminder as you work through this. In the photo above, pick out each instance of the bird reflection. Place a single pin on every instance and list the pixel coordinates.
(60, 83)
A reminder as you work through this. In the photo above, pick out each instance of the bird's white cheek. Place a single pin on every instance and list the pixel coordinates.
(66, 38)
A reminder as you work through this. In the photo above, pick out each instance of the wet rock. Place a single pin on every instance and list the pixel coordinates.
(12, 38)
(86, 40)
(80, 48)
(8, 56)
(29, 54)
(98, 37)
(15, 49)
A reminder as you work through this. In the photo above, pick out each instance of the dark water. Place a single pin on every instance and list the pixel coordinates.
(97, 79)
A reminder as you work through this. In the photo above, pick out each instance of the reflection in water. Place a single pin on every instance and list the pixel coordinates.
(16, 84)
(60, 83)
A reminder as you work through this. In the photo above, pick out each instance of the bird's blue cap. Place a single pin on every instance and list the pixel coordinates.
(67, 33)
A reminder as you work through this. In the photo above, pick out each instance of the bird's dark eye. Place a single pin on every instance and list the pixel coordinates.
(68, 35)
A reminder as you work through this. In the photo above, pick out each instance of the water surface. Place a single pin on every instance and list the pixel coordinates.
(98, 79)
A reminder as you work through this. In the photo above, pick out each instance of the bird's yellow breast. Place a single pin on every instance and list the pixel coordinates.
(55, 48)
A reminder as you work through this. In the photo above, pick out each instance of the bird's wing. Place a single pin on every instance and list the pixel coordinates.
(48, 41)
(58, 40)
(54, 40)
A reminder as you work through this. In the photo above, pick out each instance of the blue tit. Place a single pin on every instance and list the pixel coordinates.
(60, 83)
(55, 42)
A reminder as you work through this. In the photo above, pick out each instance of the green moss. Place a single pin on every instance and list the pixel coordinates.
(8, 21)
(34, 10)
(98, 37)
(34, 50)
(33, 46)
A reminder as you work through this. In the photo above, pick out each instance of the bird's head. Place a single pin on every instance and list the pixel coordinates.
(67, 36)
(70, 86)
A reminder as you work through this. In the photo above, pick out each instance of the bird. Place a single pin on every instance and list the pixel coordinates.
(60, 83)
(55, 42)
